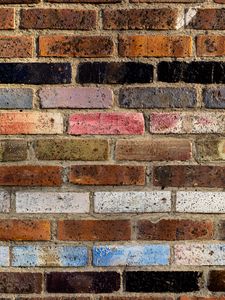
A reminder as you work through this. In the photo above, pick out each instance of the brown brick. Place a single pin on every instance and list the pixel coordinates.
(73, 46)
(58, 19)
(208, 19)
(13, 150)
(7, 20)
(107, 175)
(20, 283)
(172, 230)
(210, 148)
(30, 175)
(216, 281)
(85, 1)
(210, 45)
(94, 230)
(155, 45)
(140, 18)
(26, 230)
(134, 298)
(189, 176)
(16, 46)
(221, 230)
(153, 149)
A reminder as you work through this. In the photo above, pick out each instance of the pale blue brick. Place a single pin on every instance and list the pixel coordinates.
(4, 256)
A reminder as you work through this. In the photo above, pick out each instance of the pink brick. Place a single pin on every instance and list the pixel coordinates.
(106, 123)
(79, 97)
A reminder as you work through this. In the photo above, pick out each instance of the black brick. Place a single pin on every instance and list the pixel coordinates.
(216, 281)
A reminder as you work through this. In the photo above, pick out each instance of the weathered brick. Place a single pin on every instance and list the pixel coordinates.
(4, 201)
(7, 16)
(106, 123)
(94, 230)
(210, 45)
(52, 202)
(107, 175)
(131, 255)
(4, 256)
(72, 149)
(31, 123)
(24, 230)
(28, 175)
(20, 283)
(167, 1)
(216, 280)
(214, 98)
(210, 149)
(61, 298)
(135, 297)
(13, 150)
(42, 256)
(174, 230)
(151, 97)
(189, 176)
(206, 19)
(82, 282)
(76, 97)
(16, 46)
(201, 298)
(153, 149)
(86, 1)
(58, 19)
(18, 1)
(221, 228)
(164, 18)
(200, 202)
(114, 72)
(132, 202)
(155, 46)
(16, 98)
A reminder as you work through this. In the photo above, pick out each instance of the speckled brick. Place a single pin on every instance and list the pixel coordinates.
(16, 98)
(4, 201)
(132, 202)
(210, 148)
(214, 97)
(13, 150)
(16, 46)
(206, 19)
(4, 256)
(7, 16)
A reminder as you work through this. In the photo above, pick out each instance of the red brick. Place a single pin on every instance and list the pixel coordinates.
(16, 46)
(211, 45)
(7, 20)
(208, 19)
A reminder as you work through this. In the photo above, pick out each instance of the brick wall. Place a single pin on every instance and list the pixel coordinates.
(112, 149)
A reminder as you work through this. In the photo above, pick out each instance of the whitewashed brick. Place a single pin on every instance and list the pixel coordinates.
(4, 201)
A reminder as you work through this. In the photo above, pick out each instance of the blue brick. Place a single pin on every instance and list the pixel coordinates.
(4, 256)
(214, 98)
(141, 255)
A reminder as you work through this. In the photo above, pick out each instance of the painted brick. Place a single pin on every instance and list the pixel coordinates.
(200, 202)
(16, 46)
(210, 149)
(214, 98)
(58, 19)
(151, 97)
(131, 255)
(4, 201)
(153, 149)
(94, 230)
(207, 19)
(107, 175)
(76, 282)
(106, 123)
(13, 150)
(72, 149)
(145, 19)
(78, 97)
(16, 98)
(42, 256)
(132, 202)
(155, 46)
(4, 256)
(24, 230)
(7, 17)
(199, 254)
(210, 45)
(216, 280)
(30, 175)
(180, 122)
(189, 176)
(52, 202)
(175, 230)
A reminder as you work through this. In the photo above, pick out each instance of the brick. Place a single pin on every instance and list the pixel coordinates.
(189, 176)
(31, 123)
(107, 175)
(16, 98)
(20, 282)
(221, 230)
(114, 72)
(7, 16)
(27, 175)
(35, 73)
(157, 282)
(16, 46)
(42, 256)
(151, 97)
(72, 149)
(24, 230)
(4, 201)
(155, 46)
(146, 19)
(153, 149)
(216, 280)
(4, 256)
(201, 298)
(18, 1)
(82, 282)
(182, 122)
(52, 202)
(106, 123)
(59, 298)
(131, 255)
(210, 45)
(207, 19)
(210, 149)
(172, 230)
(13, 150)
(132, 202)
(167, 1)
(94, 230)
(200, 202)
(136, 298)
(76, 46)
(214, 98)
(86, 1)
(76, 97)
(199, 254)
(58, 19)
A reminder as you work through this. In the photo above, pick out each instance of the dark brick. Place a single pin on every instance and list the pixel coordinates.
(35, 73)
(85, 282)
(160, 282)
(13, 150)
(208, 19)
(214, 98)
(157, 98)
(114, 72)
(216, 281)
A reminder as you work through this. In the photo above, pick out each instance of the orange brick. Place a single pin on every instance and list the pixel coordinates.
(211, 45)
(16, 46)
(7, 20)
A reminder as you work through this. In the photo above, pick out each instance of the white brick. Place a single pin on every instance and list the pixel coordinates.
(4, 201)
(200, 202)
(116, 202)
(52, 202)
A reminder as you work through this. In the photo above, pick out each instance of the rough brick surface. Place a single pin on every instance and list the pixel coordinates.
(16, 46)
